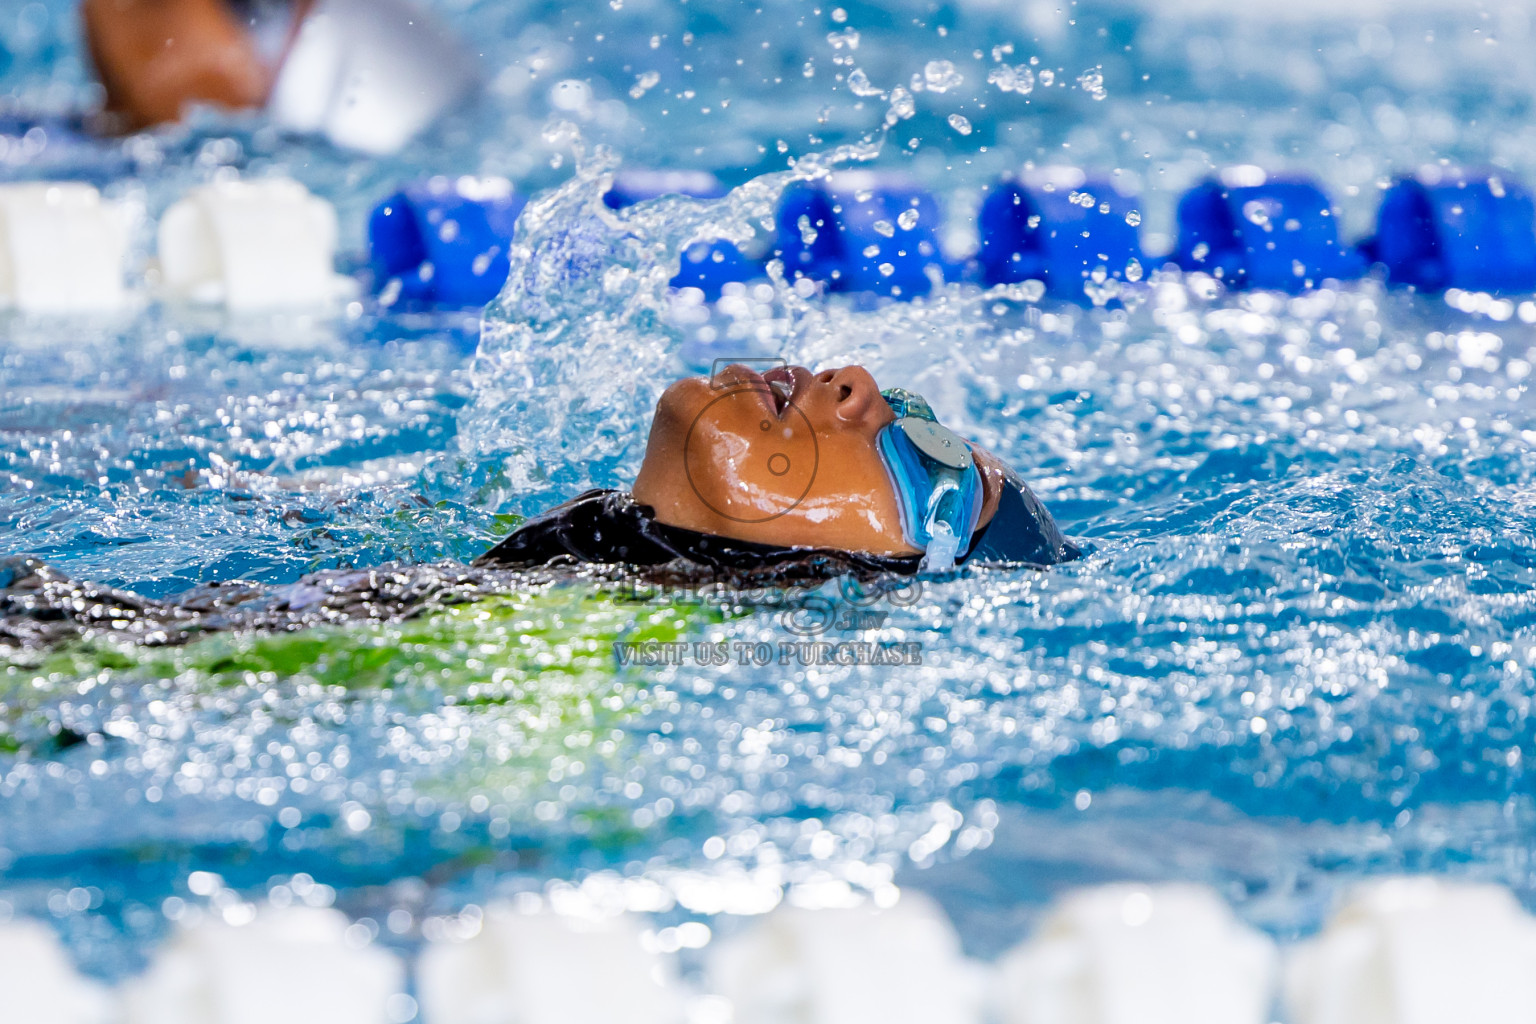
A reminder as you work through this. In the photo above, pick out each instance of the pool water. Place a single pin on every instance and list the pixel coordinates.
(1299, 649)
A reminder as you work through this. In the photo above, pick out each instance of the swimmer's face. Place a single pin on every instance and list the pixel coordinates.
(788, 458)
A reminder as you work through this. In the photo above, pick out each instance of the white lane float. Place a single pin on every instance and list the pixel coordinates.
(1418, 951)
(1139, 954)
(62, 248)
(545, 968)
(39, 985)
(861, 965)
(298, 965)
(252, 245)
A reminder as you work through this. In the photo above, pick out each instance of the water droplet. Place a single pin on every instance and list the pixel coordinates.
(886, 270)
(1133, 218)
(941, 76)
(1133, 270)
(643, 83)
(848, 38)
(1256, 211)
(960, 123)
(871, 251)
(884, 228)
(1019, 79)
(907, 220)
(1047, 78)
(860, 85)
(1092, 82)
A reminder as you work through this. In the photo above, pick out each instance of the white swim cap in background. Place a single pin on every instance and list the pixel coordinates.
(369, 74)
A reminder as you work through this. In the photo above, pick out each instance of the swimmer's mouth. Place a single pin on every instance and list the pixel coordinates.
(781, 393)
(783, 383)
(778, 388)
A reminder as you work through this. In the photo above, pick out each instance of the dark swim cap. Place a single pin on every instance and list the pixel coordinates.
(611, 527)
(1020, 532)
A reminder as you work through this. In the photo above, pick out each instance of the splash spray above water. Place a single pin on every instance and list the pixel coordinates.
(579, 345)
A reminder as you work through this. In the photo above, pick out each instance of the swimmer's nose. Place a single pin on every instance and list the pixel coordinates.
(856, 393)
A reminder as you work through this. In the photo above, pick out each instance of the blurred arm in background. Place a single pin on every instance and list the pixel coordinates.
(365, 74)
(156, 57)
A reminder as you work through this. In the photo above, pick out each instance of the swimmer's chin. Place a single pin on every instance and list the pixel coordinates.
(802, 528)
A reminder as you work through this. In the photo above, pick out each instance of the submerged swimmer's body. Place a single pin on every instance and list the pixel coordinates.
(747, 480)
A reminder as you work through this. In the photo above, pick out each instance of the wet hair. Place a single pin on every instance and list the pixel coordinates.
(611, 527)
(41, 607)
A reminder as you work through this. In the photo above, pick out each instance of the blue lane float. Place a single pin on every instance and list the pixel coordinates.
(859, 231)
(1472, 232)
(444, 241)
(707, 266)
(1070, 233)
(710, 266)
(1252, 231)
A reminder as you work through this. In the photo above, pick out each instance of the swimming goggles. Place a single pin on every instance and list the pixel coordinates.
(934, 474)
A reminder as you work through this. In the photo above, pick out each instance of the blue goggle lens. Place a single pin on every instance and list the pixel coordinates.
(934, 475)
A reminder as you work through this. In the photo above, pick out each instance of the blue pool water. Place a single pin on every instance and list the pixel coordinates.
(1300, 648)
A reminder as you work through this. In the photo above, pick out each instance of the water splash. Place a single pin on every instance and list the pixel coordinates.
(581, 342)
(1311, 595)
